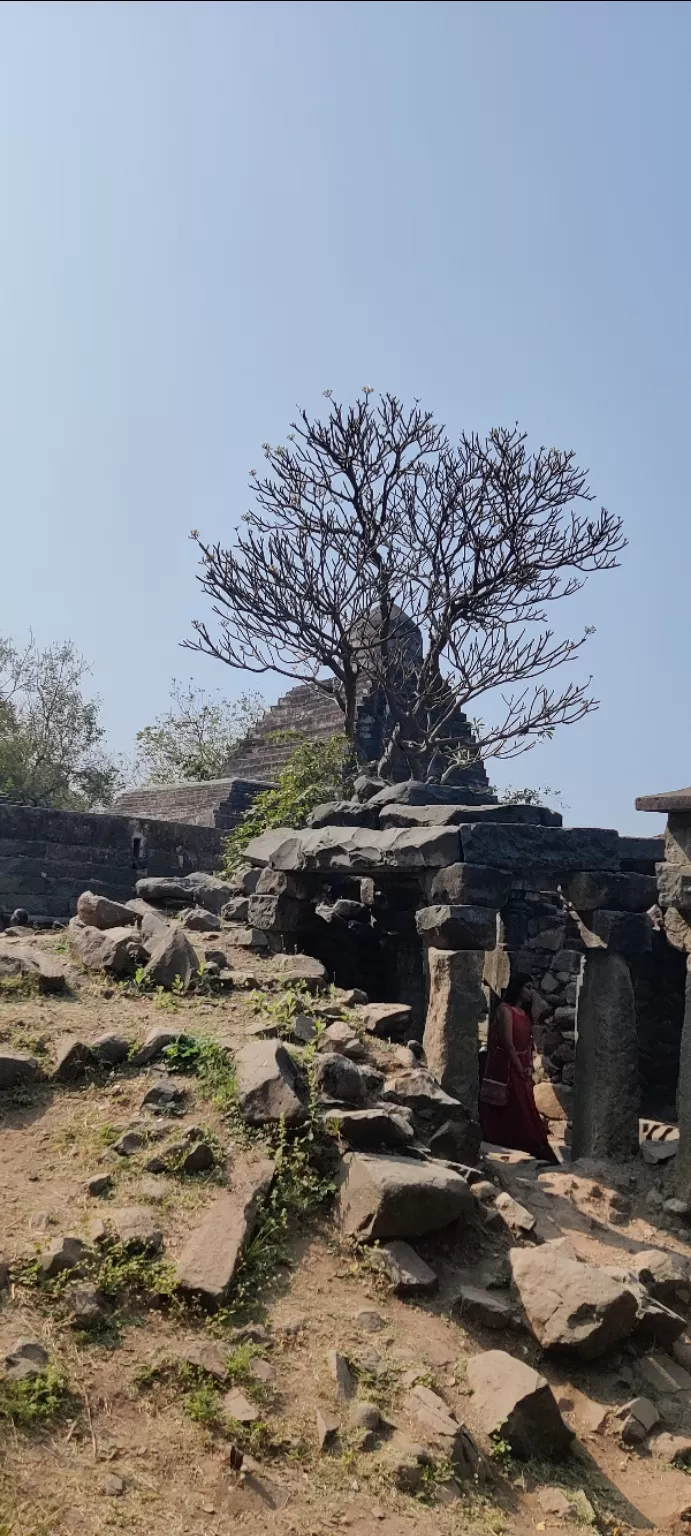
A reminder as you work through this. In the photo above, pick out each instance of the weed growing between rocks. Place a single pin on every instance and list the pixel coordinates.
(34, 1400)
(210, 1063)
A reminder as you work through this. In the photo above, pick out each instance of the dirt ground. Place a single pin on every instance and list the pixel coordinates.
(123, 1421)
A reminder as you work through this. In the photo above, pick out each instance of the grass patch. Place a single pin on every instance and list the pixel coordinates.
(210, 1064)
(203, 1406)
(122, 1274)
(24, 986)
(35, 1400)
(282, 1010)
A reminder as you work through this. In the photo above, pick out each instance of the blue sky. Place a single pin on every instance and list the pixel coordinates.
(211, 212)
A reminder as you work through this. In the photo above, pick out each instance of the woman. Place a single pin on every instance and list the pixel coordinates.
(509, 1115)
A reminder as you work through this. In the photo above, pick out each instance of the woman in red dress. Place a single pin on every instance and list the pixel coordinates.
(509, 1116)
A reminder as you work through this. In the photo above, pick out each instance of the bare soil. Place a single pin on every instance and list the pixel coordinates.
(176, 1472)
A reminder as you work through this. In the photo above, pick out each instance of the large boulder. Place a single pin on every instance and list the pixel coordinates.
(571, 1306)
(18, 958)
(101, 912)
(212, 1253)
(384, 1197)
(270, 1085)
(513, 1401)
(198, 920)
(202, 889)
(172, 956)
(370, 1130)
(338, 1078)
(118, 951)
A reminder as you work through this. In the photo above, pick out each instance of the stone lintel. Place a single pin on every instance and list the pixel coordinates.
(676, 800)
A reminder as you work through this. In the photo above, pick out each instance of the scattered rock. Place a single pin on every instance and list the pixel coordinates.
(236, 910)
(569, 1305)
(304, 1029)
(388, 1021)
(370, 1320)
(100, 912)
(673, 1448)
(409, 1274)
(367, 1130)
(100, 1184)
(154, 1045)
(384, 1197)
(453, 1439)
(270, 1086)
(205, 890)
(199, 1159)
(239, 1408)
(294, 968)
(553, 1101)
(338, 1036)
(22, 959)
(514, 1401)
(418, 1091)
(327, 1428)
(457, 1141)
(340, 1372)
(63, 1253)
(164, 1095)
(516, 1217)
(129, 1144)
(172, 957)
(205, 1356)
(338, 1078)
(365, 1415)
(636, 1419)
(28, 1357)
(73, 1058)
(16, 1068)
(212, 1252)
(116, 950)
(88, 1309)
(195, 920)
(476, 1305)
(113, 1487)
(109, 1050)
(135, 1228)
(664, 1375)
(665, 1275)
(553, 1501)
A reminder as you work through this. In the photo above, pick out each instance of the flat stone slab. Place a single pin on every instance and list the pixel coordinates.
(571, 1306)
(589, 890)
(408, 1273)
(439, 815)
(384, 1197)
(545, 848)
(212, 1252)
(355, 850)
(672, 800)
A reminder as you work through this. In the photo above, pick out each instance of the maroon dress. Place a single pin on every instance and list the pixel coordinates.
(516, 1122)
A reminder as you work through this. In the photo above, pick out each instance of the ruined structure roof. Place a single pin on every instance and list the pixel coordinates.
(673, 800)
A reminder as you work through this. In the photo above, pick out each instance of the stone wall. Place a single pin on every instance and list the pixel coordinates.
(211, 803)
(47, 857)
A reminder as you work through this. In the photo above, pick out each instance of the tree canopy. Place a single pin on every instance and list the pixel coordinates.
(194, 738)
(372, 525)
(50, 736)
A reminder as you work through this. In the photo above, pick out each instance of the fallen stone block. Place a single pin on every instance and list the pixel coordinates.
(211, 1255)
(327, 1428)
(28, 1357)
(676, 1449)
(173, 960)
(236, 910)
(514, 1215)
(302, 968)
(280, 914)
(109, 1049)
(452, 1439)
(196, 920)
(155, 1042)
(408, 1273)
(457, 1141)
(204, 890)
(63, 1253)
(88, 1308)
(514, 1402)
(635, 1420)
(559, 849)
(571, 1306)
(486, 1309)
(338, 1078)
(118, 951)
(665, 1275)
(73, 1059)
(553, 1100)
(269, 1083)
(446, 927)
(100, 912)
(417, 1090)
(135, 1228)
(340, 1372)
(27, 960)
(384, 1197)
(368, 1130)
(164, 1095)
(16, 1068)
(388, 1021)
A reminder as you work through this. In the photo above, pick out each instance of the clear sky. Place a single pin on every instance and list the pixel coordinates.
(211, 212)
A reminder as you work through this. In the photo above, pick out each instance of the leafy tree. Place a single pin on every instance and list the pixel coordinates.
(50, 735)
(316, 771)
(195, 737)
(372, 519)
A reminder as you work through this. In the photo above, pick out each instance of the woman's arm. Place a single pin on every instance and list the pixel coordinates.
(504, 1028)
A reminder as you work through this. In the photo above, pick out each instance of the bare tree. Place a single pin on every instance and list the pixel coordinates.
(371, 530)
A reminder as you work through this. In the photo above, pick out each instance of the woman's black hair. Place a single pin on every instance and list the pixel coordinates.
(516, 985)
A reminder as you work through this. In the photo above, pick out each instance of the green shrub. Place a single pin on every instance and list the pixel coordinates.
(316, 771)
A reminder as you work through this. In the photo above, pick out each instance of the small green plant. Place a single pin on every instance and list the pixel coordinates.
(316, 771)
(34, 1400)
(210, 1063)
(283, 1009)
(203, 1405)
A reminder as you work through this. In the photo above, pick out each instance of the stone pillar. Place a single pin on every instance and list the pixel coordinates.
(683, 1158)
(456, 1005)
(606, 1093)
